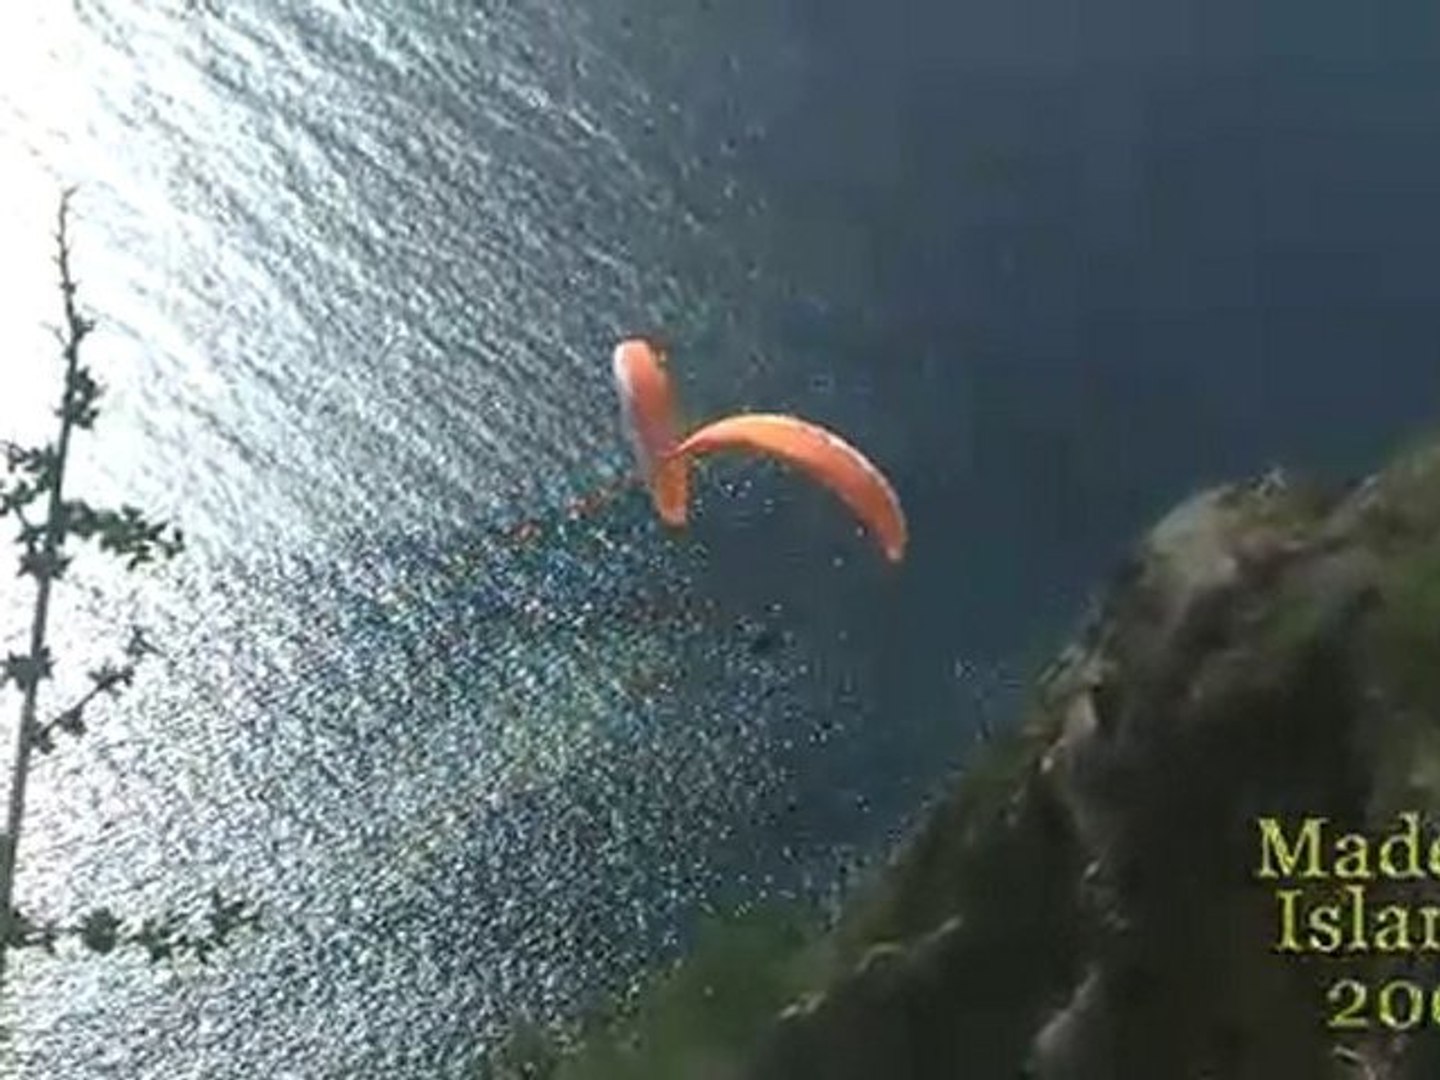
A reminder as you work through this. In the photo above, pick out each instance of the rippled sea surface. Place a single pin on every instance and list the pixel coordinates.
(358, 269)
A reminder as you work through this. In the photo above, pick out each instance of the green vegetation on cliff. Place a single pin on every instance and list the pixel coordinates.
(699, 1018)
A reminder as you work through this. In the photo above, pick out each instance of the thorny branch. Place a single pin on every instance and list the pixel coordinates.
(35, 475)
(168, 937)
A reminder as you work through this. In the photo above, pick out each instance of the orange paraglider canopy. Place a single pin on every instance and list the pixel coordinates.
(820, 454)
(647, 406)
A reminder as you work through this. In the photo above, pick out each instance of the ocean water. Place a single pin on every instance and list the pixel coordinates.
(358, 269)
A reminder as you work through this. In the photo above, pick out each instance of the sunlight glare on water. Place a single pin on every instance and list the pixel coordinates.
(357, 274)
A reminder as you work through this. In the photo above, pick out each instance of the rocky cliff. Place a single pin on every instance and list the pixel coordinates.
(1085, 905)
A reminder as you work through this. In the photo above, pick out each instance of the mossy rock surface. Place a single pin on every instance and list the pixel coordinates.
(1083, 904)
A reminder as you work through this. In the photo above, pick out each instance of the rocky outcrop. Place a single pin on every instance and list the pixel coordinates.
(1084, 905)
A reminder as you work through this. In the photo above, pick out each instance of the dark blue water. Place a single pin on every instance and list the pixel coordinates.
(361, 267)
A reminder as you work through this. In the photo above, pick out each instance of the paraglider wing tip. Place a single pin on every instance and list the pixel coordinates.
(898, 542)
(673, 517)
(641, 344)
